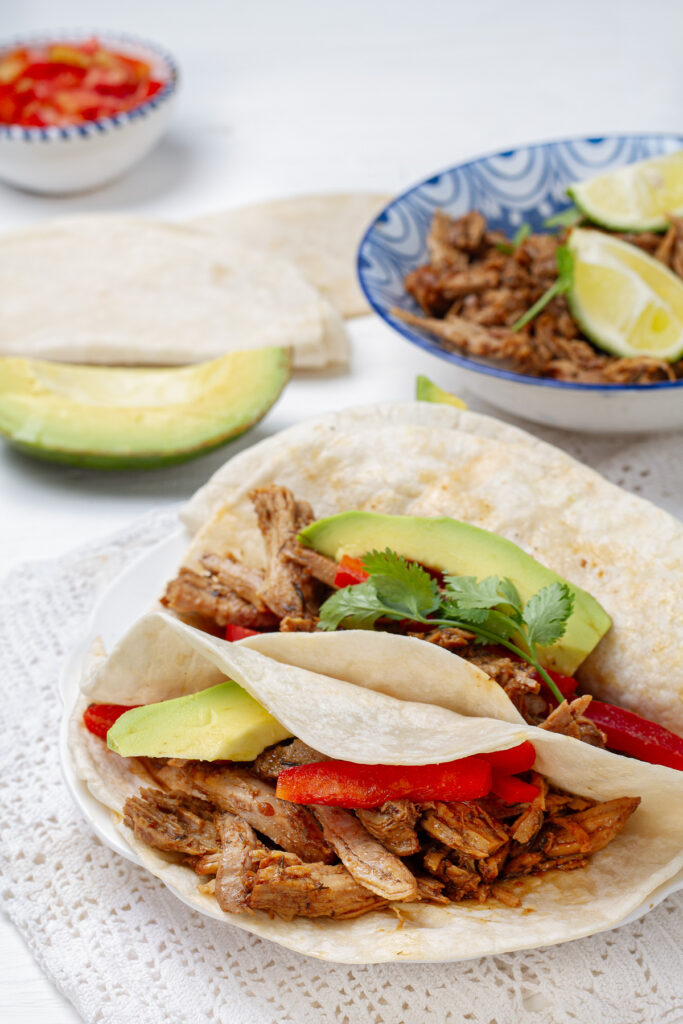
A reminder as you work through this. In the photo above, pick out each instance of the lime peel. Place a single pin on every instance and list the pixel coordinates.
(639, 197)
(625, 301)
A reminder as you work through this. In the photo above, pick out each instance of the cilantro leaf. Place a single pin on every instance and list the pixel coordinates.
(561, 285)
(400, 585)
(357, 607)
(546, 614)
(522, 233)
(471, 616)
(467, 593)
(564, 219)
(510, 595)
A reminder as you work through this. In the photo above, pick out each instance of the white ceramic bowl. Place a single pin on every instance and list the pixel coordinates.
(59, 161)
(525, 184)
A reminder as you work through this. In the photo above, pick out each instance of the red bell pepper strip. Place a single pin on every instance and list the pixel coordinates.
(350, 572)
(99, 718)
(513, 760)
(513, 790)
(346, 784)
(628, 733)
(233, 632)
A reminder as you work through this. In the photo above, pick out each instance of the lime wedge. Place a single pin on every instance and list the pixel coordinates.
(624, 300)
(639, 197)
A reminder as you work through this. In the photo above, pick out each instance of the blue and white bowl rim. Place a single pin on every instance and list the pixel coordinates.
(432, 345)
(91, 129)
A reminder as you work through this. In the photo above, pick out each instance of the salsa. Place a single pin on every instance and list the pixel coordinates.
(70, 83)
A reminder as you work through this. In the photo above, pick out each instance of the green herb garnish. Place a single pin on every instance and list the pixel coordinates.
(562, 284)
(568, 218)
(522, 232)
(490, 608)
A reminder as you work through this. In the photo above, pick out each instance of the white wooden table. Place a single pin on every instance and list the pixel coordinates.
(280, 98)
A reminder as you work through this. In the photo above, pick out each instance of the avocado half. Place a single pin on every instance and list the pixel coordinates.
(136, 418)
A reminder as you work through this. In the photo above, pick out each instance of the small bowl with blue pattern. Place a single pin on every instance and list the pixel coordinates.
(60, 159)
(524, 185)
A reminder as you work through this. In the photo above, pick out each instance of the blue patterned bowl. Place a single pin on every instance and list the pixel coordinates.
(526, 184)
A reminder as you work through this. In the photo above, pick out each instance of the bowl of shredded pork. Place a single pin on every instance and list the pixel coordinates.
(478, 265)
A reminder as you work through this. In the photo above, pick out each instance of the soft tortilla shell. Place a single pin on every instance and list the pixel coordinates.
(335, 715)
(319, 234)
(122, 290)
(434, 460)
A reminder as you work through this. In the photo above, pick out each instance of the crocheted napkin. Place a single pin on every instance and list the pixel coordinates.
(123, 949)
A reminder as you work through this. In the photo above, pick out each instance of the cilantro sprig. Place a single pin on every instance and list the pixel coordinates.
(522, 233)
(490, 608)
(567, 218)
(560, 286)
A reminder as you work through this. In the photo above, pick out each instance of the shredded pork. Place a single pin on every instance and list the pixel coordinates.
(261, 853)
(477, 285)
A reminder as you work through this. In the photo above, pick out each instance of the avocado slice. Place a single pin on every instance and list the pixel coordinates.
(450, 545)
(132, 418)
(427, 391)
(221, 723)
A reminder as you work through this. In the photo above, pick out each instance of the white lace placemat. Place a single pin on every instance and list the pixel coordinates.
(125, 951)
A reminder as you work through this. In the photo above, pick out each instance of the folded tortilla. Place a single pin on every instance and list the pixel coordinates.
(319, 234)
(127, 291)
(371, 709)
(435, 460)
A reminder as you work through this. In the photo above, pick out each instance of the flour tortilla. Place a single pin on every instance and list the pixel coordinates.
(162, 656)
(435, 460)
(126, 291)
(320, 234)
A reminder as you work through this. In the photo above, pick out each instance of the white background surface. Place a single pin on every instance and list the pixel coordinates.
(306, 95)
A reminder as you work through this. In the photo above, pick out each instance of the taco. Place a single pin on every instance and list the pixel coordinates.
(458, 529)
(370, 827)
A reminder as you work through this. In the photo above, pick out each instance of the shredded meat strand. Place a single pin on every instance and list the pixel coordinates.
(365, 858)
(287, 887)
(569, 719)
(288, 589)
(171, 821)
(235, 874)
(273, 760)
(205, 596)
(244, 581)
(235, 790)
(394, 825)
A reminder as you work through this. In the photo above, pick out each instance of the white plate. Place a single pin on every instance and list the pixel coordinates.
(128, 597)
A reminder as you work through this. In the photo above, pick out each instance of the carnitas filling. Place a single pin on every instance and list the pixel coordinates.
(254, 851)
(477, 285)
(287, 595)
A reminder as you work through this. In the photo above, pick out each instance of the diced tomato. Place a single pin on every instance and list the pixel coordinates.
(513, 790)
(350, 572)
(347, 784)
(628, 733)
(238, 632)
(72, 83)
(513, 760)
(99, 718)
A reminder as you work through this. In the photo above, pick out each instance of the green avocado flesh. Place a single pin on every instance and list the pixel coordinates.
(449, 545)
(121, 418)
(222, 723)
(427, 391)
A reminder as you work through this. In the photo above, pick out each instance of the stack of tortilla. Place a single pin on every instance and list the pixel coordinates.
(119, 290)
